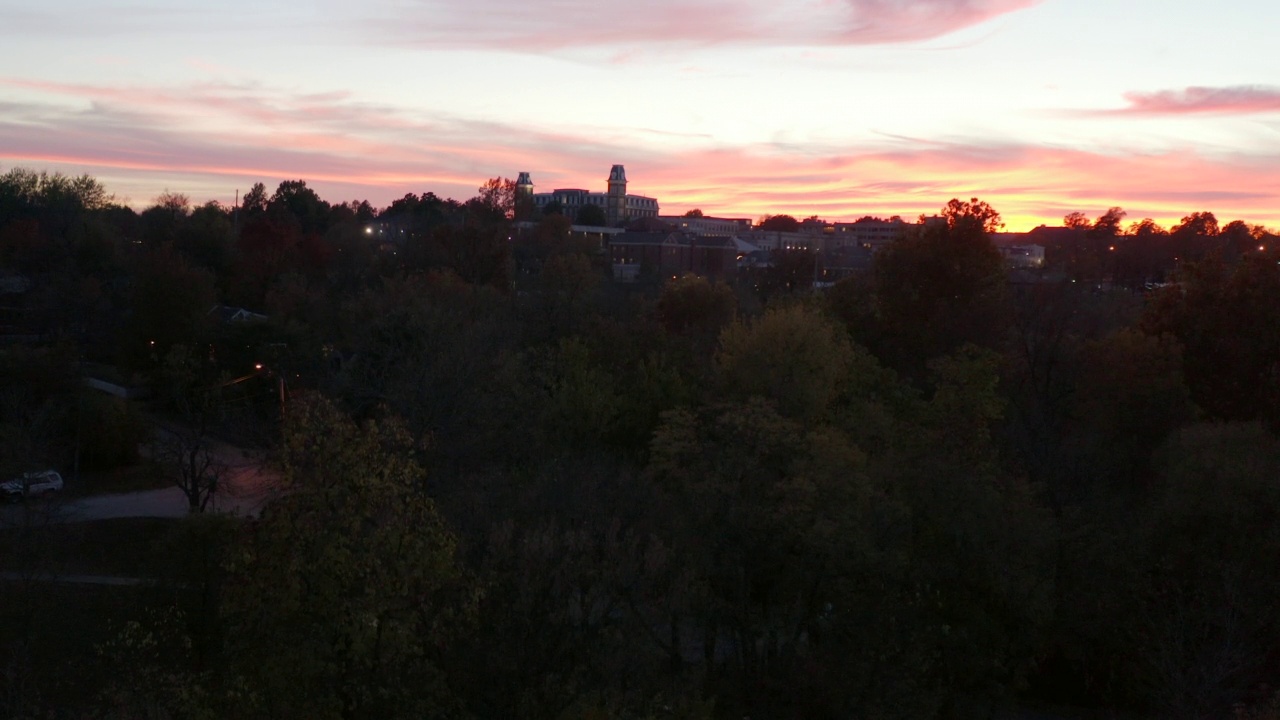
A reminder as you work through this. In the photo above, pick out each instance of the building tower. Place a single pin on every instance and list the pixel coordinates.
(524, 197)
(616, 207)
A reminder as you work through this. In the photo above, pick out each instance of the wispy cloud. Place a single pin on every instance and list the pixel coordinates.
(228, 136)
(885, 21)
(1233, 100)
(147, 19)
(564, 24)
(543, 26)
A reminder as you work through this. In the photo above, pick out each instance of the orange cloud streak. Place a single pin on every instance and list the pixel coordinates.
(1029, 185)
(345, 149)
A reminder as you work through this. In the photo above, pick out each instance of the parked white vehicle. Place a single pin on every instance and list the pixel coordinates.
(31, 484)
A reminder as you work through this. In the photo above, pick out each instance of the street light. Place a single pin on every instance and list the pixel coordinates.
(261, 369)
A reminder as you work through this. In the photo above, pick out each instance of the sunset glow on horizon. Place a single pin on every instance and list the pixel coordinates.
(834, 108)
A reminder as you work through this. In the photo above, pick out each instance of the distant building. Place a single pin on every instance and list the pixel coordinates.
(619, 207)
(672, 253)
(868, 233)
(813, 234)
(1023, 256)
(702, 225)
(779, 240)
(634, 254)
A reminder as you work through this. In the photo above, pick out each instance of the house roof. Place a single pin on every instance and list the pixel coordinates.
(14, 284)
(228, 314)
(641, 238)
(712, 241)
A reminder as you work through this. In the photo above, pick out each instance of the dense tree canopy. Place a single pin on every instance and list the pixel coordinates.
(514, 485)
(1229, 325)
(933, 291)
(346, 588)
(592, 215)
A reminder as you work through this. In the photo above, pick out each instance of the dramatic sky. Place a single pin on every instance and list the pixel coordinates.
(838, 108)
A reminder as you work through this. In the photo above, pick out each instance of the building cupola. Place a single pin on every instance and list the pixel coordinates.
(616, 201)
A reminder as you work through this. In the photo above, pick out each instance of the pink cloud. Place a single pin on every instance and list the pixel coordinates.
(1235, 100)
(564, 24)
(885, 21)
(142, 141)
(221, 137)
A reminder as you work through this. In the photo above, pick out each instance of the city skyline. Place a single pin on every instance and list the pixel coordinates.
(835, 108)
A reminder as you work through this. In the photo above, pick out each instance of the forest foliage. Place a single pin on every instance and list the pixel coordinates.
(516, 488)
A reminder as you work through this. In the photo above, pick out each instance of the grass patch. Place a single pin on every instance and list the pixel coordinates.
(125, 547)
(50, 635)
(64, 648)
(109, 373)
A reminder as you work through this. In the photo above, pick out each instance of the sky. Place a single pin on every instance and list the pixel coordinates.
(834, 108)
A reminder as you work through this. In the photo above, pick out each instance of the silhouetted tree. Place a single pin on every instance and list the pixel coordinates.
(1076, 221)
(1229, 328)
(961, 215)
(1195, 237)
(696, 308)
(255, 201)
(170, 305)
(940, 288)
(1143, 255)
(592, 215)
(788, 272)
(495, 201)
(780, 223)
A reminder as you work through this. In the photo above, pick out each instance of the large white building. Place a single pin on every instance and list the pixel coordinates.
(618, 206)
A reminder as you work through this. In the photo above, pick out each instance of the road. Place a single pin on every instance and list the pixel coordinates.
(247, 485)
